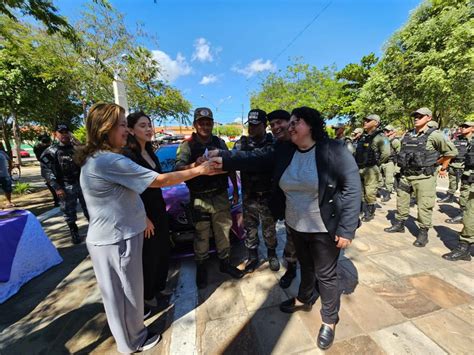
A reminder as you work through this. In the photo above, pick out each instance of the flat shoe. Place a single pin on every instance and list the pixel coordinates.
(289, 306)
(325, 337)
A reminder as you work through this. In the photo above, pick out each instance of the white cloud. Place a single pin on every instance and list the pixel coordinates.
(202, 50)
(254, 67)
(172, 69)
(208, 79)
(238, 120)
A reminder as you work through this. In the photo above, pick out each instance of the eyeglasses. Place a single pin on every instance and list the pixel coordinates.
(294, 123)
(367, 120)
(417, 117)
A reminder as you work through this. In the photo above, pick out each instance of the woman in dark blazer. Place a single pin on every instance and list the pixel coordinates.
(156, 246)
(316, 190)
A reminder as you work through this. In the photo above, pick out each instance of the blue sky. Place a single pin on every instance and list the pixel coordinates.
(218, 51)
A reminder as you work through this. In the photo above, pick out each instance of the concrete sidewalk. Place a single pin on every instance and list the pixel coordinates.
(397, 299)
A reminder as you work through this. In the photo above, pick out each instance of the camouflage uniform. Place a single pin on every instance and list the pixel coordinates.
(209, 200)
(389, 169)
(60, 172)
(256, 190)
(456, 167)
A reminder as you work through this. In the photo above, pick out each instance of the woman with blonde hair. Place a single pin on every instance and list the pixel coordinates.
(111, 185)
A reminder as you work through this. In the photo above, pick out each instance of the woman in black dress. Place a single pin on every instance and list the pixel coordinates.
(156, 247)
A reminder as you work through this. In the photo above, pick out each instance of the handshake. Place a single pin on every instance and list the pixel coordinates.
(210, 163)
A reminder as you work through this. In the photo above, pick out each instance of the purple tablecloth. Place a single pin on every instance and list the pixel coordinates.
(11, 229)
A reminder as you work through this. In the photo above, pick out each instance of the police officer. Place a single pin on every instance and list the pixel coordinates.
(209, 197)
(389, 168)
(38, 149)
(455, 170)
(463, 249)
(62, 174)
(256, 191)
(422, 151)
(372, 150)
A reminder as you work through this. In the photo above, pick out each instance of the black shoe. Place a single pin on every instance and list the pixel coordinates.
(325, 337)
(273, 260)
(397, 227)
(289, 275)
(449, 198)
(146, 313)
(386, 196)
(289, 306)
(151, 340)
(252, 262)
(422, 238)
(462, 252)
(369, 213)
(201, 276)
(227, 268)
(456, 219)
(76, 238)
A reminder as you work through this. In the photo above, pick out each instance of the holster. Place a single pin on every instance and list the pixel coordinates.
(405, 187)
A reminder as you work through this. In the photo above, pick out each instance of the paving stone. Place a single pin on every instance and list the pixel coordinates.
(439, 291)
(365, 307)
(366, 247)
(366, 271)
(465, 312)
(276, 332)
(396, 264)
(222, 300)
(404, 297)
(468, 266)
(457, 277)
(448, 331)
(362, 344)
(405, 338)
(261, 291)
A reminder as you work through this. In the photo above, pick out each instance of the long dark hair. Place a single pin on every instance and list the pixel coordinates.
(132, 142)
(313, 119)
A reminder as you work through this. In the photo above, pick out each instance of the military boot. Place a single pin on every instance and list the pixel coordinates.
(449, 198)
(76, 238)
(289, 275)
(397, 227)
(386, 196)
(273, 260)
(369, 213)
(227, 268)
(252, 262)
(201, 275)
(456, 219)
(422, 238)
(461, 252)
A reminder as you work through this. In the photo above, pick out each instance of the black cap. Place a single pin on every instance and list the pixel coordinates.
(202, 112)
(257, 116)
(44, 138)
(62, 127)
(279, 115)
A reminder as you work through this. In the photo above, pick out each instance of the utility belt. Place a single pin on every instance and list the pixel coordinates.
(428, 170)
(207, 193)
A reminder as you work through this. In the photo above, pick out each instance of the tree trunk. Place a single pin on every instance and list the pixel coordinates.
(6, 135)
(16, 137)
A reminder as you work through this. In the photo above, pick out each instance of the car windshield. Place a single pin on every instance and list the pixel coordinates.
(167, 156)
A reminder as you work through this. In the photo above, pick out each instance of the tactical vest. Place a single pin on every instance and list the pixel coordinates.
(461, 145)
(414, 158)
(205, 184)
(393, 153)
(255, 182)
(365, 155)
(65, 168)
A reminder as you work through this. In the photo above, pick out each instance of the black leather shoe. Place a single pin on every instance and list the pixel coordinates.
(397, 227)
(289, 275)
(456, 219)
(325, 337)
(227, 268)
(289, 306)
(422, 238)
(462, 252)
(369, 213)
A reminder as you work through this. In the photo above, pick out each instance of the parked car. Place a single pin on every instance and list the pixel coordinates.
(23, 153)
(177, 204)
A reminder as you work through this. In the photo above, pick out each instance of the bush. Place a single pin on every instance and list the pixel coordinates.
(21, 188)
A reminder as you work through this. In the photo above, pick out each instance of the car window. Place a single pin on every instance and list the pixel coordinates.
(167, 156)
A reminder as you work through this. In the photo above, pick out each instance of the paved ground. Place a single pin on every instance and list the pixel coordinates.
(397, 299)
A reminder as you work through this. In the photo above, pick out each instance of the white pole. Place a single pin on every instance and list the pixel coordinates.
(120, 93)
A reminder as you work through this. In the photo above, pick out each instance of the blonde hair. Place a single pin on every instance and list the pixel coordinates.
(102, 118)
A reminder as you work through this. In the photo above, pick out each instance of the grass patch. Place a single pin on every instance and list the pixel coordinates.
(21, 188)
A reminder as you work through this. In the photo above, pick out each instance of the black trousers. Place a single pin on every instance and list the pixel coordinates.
(156, 255)
(317, 254)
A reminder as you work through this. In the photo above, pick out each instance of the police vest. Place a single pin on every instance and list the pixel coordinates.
(65, 169)
(461, 145)
(414, 158)
(365, 155)
(205, 184)
(469, 158)
(255, 182)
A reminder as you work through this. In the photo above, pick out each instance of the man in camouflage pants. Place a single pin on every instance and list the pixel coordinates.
(256, 190)
(389, 168)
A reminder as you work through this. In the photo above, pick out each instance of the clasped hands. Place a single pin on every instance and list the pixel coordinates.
(211, 164)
